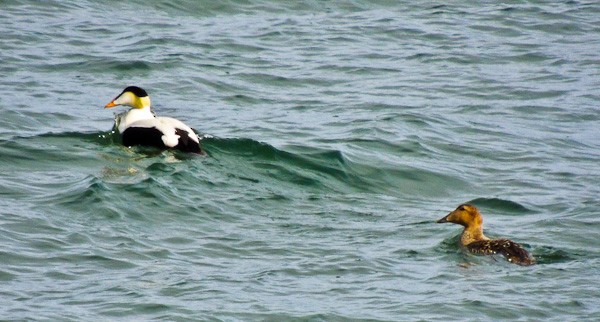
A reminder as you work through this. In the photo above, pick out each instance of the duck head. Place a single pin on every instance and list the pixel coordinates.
(131, 96)
(466, 215)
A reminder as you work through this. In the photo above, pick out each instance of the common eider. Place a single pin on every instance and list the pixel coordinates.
(473, 239)
(139, 126)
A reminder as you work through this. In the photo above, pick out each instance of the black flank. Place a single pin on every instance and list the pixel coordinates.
(149, 136)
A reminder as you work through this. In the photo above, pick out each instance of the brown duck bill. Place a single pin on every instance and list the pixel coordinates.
(443, 220)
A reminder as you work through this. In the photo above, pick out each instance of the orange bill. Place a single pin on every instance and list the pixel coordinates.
(111, 104)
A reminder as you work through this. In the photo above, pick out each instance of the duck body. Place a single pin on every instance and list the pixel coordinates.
(139, 126)
(512, 251)
(473, 239)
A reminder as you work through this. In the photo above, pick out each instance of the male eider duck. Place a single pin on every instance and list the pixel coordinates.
(140, 127)
(474, 241)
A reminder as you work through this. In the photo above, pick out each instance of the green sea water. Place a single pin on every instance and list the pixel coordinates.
(337, 133)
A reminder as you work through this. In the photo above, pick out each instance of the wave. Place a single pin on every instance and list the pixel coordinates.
(243, 158)
(333, 169)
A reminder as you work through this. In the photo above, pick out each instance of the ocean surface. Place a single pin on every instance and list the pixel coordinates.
(337, 133)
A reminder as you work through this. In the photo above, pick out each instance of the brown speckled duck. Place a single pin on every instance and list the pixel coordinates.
(473, 239)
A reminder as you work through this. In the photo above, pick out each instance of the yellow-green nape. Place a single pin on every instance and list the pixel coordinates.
(141, 102)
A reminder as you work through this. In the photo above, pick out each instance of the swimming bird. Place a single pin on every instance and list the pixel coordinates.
(473, 239)
(139, 126)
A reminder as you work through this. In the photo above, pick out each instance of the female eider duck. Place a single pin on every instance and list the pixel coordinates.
(139, 126)
(474, 241)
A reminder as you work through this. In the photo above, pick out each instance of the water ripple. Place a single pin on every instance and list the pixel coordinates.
(340, 132)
